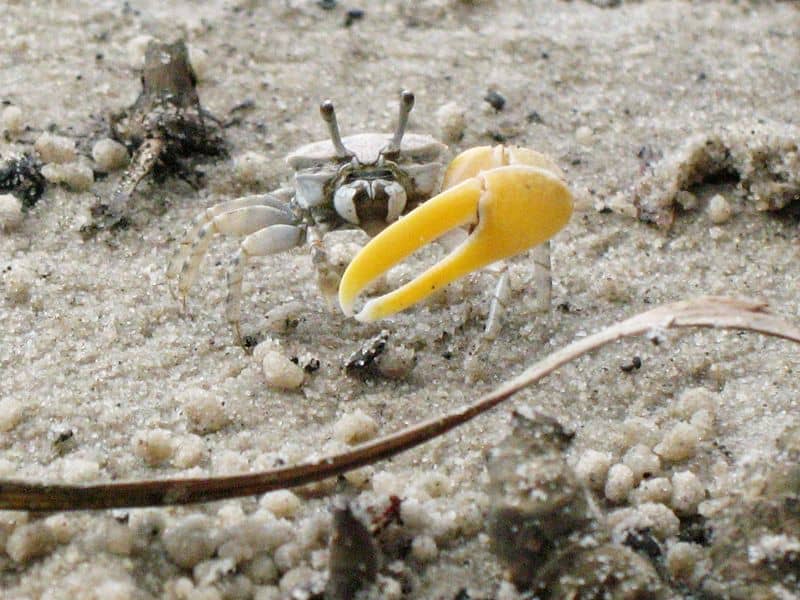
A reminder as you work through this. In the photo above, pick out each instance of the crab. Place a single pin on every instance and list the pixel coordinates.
(509, 199)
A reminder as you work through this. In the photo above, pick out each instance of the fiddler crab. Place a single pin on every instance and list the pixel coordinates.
(509, 199)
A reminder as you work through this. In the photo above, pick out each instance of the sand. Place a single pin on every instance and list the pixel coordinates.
(102, 376)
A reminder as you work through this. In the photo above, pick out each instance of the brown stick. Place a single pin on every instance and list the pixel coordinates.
(714, 312)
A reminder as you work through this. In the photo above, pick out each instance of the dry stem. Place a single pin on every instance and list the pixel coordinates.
(710, 311)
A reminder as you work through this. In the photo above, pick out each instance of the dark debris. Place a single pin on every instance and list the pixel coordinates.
(353, 15)
(164, 127)
(495, 99)
(22, 176)
(362, 363)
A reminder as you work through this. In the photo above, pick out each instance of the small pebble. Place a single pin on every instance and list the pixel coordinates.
(452, 121)
(189, 452)
(12, 120)
(251, 168)
(296, 579)
(280, 372)
(687, 493)
(281, 503)
(694, 399)
(109, 155)
(55, 148)
(261, 570)
(62, 527)
(10, 212)
(656, 517)
(116, 538)
(231, 514)
(209, 572)
(355, 428)
(641, 461)
(396, 362)
(495, 99)
(11, 413)
(684, 561)
(288, 555)
(30, 541)
(190, 541)
(658, 489)
(206, 413)
(719, 210)
(76, 176)
(272, 533)
(10, 520)
(592, 468)
(660, 518)
(619, 483)
(584, 135)
(154, 446)
(416, 516)
(18, 282)
(679, 443)
(423, 548)
(360, 478)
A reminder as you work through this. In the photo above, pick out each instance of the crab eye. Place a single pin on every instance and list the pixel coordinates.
(346, 198)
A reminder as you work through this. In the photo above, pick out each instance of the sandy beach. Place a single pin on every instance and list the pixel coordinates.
(104, 376)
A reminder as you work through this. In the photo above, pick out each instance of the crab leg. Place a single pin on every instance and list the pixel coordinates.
(542, 278)
(273, 200)
(509, 208)
(239, 221)
(497, 306)
(270, 240)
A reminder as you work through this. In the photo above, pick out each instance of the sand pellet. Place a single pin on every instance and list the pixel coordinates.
(10, 212)
(355, 427)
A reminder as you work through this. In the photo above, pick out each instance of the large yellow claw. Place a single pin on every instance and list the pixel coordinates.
(512, 208)
(483, 158)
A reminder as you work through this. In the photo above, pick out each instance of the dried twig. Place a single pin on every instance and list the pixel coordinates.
(715, 312)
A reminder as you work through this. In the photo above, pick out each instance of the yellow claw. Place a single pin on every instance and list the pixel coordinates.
(483, 158)
(512, 208)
